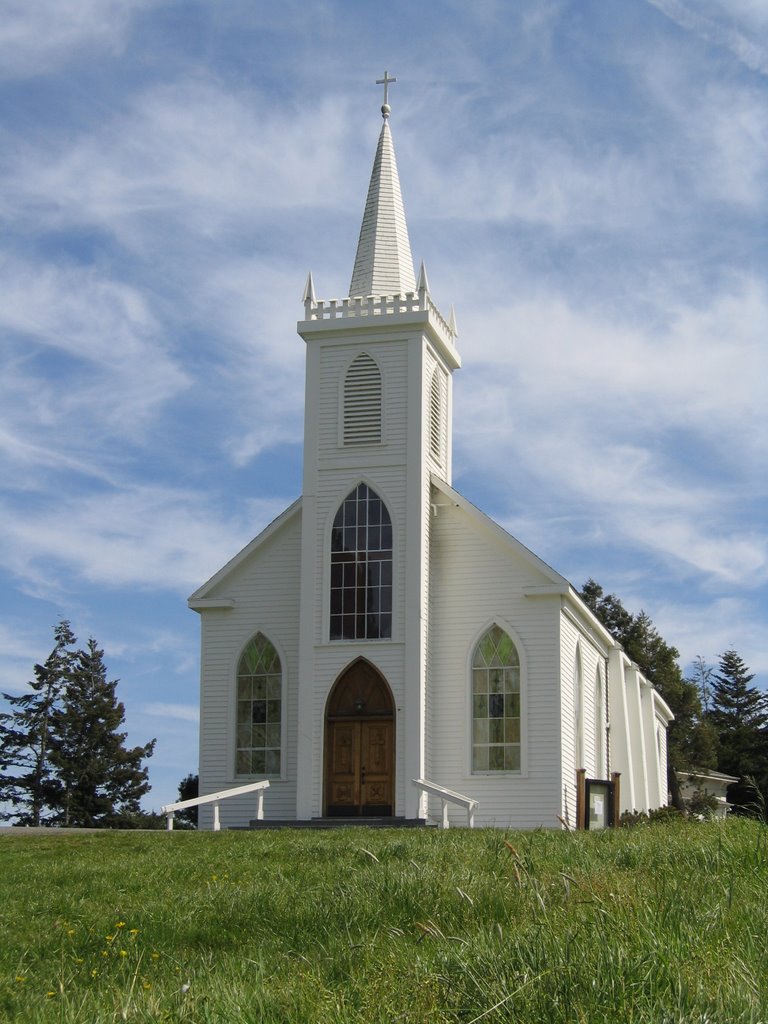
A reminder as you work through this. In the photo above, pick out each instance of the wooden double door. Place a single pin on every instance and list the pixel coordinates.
(359, 745)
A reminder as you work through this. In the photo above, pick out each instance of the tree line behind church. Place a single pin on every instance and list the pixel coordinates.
(721, 721)
(63, 759)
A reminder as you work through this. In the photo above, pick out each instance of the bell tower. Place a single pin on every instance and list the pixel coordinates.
(379, 368)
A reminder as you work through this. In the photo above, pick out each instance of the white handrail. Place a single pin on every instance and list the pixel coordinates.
(449, 796)
(215, 798)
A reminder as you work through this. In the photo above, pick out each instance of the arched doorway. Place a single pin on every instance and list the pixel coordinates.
(360, 744)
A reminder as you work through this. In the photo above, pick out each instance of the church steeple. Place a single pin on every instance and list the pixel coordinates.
(383, 264)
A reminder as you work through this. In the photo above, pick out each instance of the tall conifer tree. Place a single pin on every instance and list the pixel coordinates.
(101, 780)
(739, 716)
(28, 781)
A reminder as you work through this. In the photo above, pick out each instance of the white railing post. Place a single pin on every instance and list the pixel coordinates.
(260, 806)
(215, 798)
(169, 821)
(448, 796)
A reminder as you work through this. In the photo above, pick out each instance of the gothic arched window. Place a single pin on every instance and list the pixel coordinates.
(600, 767)
(259, 709)
(578, 710)
(362, 402)
(361, 568)
(495, 703)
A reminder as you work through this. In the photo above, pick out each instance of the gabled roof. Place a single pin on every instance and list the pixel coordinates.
(383, 264)
(558, 582)
(202, 599)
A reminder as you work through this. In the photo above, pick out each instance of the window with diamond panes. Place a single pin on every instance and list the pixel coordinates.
(495, 704)
(361, 568)
(259, 709)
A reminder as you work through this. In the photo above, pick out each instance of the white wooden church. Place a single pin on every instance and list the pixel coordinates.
(383, 629)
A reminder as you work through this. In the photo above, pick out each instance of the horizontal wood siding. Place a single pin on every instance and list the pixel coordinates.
(265, 589)
(475, 580)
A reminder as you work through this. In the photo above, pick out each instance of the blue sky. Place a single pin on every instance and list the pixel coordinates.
(586, 182)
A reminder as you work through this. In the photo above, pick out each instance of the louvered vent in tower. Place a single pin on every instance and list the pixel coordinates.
(362, 402)
(436, 416)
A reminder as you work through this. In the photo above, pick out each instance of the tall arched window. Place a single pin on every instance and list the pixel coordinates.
(362, 402)
(259, 709)
(578, 710)
(361, 568)
(495, 703)
(600, 766)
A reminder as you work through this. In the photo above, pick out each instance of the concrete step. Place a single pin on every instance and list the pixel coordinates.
(358, 822)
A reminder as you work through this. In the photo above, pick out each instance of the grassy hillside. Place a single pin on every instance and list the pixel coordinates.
(661, 924)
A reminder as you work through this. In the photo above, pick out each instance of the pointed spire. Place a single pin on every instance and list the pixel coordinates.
(383, 264)
(422, 284)
(309, 290)
(452, 322)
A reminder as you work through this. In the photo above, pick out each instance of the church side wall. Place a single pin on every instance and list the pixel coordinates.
(475, 581)
(265, 590)
(575, 642)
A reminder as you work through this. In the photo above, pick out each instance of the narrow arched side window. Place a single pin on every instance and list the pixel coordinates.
(578, 710)
(361, 568)
(437, 415)
(600, 766)
(495, 703)
(259, 709)
(362, 402)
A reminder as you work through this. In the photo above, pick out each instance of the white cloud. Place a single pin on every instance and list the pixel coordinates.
(626, 425)
(141, 536)
(35, 36)
(719, 25)
(181, 712)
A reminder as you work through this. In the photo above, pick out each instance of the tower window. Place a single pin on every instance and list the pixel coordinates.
(361, 568)
(436, 406)
(362, 402)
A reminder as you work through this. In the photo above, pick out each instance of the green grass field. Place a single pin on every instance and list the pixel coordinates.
(664, 923)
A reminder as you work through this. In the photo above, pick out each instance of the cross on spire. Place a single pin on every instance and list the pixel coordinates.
(385, 81)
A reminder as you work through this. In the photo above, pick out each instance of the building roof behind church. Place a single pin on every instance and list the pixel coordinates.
(383, 264)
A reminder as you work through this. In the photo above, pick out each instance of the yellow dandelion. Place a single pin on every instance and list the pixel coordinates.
(123, 953)
(70, 931)
(20, 978)
(94, 973)
(146, 985)
(120, 924)
(134, 931)
(78, 959)
(109, 938)
(50, 994)
(155, 956)
(105, 952)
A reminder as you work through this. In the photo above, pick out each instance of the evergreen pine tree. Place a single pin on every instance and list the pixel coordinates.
(101, 781)
(189, 788)
(739, 716)
(28, 781)
(690, 742)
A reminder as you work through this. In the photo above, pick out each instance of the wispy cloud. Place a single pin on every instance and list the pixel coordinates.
(182, 712)
(36, 37)
(732, 25)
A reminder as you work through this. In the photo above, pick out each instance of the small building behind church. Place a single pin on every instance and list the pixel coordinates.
(383, 629)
